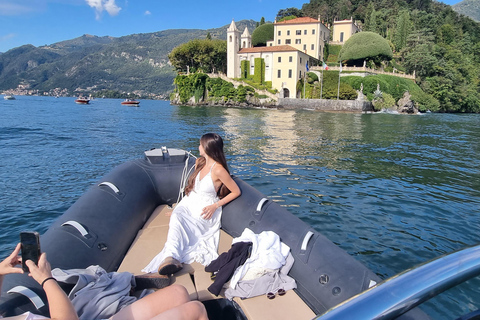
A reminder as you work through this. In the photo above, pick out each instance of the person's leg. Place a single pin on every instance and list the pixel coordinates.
(154, 304)
(193, 310)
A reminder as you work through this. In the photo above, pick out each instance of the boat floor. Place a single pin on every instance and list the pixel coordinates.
(151, 239)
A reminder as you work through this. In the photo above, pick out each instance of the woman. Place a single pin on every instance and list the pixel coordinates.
(194, 226)
(170, 303)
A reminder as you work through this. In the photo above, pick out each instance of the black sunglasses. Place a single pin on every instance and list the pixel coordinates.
(272, 295)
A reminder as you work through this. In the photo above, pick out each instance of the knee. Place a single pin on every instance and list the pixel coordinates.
(180, 293)
(198, 309)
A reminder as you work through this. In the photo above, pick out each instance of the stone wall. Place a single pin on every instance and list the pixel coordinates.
(326, 105)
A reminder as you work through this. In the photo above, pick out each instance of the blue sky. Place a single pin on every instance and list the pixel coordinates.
(42, 22)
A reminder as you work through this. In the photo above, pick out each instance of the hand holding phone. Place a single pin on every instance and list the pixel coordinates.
(30, 241)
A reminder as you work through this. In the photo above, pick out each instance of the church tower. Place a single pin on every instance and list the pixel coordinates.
(246, 39)
(233, 40)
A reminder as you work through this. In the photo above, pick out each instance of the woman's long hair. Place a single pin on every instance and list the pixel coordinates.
(212, 143)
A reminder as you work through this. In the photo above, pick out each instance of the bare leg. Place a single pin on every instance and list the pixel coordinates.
(193, 310)
(154, 304)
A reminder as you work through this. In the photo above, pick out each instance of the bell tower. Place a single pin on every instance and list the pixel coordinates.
(233, 41)
(246, 39)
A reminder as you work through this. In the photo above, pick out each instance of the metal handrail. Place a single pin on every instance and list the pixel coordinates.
(399, 294)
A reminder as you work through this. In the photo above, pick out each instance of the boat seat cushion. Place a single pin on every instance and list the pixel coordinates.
(150, 241)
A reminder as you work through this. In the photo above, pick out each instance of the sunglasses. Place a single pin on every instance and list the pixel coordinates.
(272, 295)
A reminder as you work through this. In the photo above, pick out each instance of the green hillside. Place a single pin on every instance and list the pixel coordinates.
(427, 37)
(136, 63)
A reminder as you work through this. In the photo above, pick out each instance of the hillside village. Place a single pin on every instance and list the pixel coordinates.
(427, 42)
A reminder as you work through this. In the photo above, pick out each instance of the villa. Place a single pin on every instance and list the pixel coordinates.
(296, 45)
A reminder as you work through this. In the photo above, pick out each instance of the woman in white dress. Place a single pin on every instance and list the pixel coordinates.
(195, 222)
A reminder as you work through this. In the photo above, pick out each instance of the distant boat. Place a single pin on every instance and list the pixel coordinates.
(130, 102)
(8, 97)
(82, 101)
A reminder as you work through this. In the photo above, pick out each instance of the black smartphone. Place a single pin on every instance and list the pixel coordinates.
(30, 241)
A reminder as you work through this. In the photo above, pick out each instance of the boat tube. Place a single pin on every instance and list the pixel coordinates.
(100, 226)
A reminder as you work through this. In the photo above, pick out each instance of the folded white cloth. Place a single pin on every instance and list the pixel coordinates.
(268, 252)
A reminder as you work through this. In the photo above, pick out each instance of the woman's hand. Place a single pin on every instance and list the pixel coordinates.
(7, 266)
(208, 211)
(42, 271)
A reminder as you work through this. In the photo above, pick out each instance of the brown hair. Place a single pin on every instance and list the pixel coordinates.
(212, 143)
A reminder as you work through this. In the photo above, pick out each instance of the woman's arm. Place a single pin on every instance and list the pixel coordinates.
(59, 305)
(219, 173)
(227, 180)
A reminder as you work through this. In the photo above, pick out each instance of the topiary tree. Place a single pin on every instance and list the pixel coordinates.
(262, 34)
(368, 46)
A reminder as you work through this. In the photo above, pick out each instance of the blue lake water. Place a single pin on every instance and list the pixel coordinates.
(392, 190)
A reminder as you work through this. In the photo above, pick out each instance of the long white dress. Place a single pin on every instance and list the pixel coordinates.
(191, 237)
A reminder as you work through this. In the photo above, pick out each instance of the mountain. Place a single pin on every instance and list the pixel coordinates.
(135, 63)
(469, 8)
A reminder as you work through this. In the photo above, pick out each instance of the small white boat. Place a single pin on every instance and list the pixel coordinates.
(82, 101)
(9, 97)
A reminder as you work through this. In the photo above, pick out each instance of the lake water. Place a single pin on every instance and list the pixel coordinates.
(392, 190)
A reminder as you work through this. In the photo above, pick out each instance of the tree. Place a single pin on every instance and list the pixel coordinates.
(366, 46)
(262, 34)
(262, 21)
(403, 28)
(372, 22)
(209, 36)
(283, 13)
(207, 55)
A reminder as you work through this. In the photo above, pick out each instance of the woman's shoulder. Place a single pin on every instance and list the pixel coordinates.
(219, 170)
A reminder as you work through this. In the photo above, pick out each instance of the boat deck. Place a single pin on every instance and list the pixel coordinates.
(151, 239)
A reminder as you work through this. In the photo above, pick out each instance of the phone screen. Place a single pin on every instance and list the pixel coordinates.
(30, 248)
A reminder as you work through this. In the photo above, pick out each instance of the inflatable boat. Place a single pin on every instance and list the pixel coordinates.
(119, 224)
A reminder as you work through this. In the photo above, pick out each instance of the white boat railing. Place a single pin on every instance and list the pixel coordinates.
(403, 292)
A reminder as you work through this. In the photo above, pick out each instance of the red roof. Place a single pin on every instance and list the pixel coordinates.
(298, 20)
(268, 49)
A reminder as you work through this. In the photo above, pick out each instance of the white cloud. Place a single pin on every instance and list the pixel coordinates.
(7, 37)
(147, 13)
(10, 8)
(101, 5)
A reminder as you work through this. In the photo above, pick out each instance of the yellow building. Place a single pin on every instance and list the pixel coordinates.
(343, 30)
(284, 64)
(305, 34)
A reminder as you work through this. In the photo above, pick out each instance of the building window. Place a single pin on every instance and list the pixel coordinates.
(321, 32)
(313, 31)
(279, 73)
(288, 32)
(279, 41)
(288, 41)
(341, 36)
(290, 73)
(290, 59)
(300, 73)
(304, 32)
(313, 47)
(279, 59)
(279, 32)
(298, 32)
(230, 38)
(300, 60)
(298, 41)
